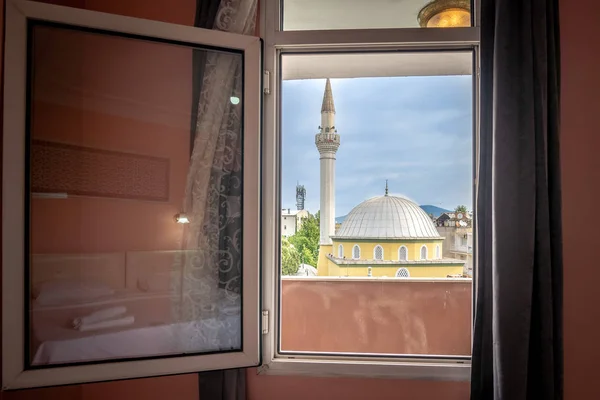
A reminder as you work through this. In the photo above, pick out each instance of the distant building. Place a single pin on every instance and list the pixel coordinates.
(454, 219)
(291, 221)
(457, 230)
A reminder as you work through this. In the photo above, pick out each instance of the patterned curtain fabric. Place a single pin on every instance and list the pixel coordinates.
(517, 344)
(211, 279)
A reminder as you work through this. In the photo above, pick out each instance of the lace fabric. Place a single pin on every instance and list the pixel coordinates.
(211, 280)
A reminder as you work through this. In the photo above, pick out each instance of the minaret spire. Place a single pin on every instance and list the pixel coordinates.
(328, 105)
(386, 187)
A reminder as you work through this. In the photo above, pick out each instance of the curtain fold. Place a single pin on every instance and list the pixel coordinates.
(517, 344)
(212, 274)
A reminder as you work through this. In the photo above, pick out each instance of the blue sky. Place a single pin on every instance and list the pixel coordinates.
(414, 131)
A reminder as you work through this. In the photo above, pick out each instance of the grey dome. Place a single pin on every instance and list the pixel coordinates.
(387, 217)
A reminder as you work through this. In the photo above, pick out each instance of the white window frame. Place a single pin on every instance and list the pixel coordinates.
(353, 252)
(424, 247)
(341, 251)
(405, 253)
(375, 252)
(278, 41)
(438, 252)
(14, 374)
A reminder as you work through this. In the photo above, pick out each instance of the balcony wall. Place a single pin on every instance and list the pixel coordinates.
(397, 316)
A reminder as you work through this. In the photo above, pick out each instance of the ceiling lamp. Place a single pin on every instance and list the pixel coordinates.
(446, 14)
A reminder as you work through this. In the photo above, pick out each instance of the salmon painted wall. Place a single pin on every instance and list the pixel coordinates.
(118, 95)
(376, 316)
(580, 166)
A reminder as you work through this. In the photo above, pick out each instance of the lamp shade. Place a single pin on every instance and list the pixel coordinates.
(445, 14)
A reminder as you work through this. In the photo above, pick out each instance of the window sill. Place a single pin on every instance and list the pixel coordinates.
(419, 370)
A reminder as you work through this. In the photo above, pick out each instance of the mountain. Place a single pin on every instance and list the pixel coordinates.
(429, 209)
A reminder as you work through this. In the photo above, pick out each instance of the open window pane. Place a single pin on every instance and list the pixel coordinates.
(378, 162)
(299, 15)
(131, 164)
(119, 266)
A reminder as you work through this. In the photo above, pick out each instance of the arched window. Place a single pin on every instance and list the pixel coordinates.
(402, 253)
(356, 252)
(423, 252)
(340, 251)
(402, 273)
(437, 252)
(378, 253)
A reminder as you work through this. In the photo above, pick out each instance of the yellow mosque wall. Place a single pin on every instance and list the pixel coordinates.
(323, 261)
(326, 267)
(390, 249)
(415, 271)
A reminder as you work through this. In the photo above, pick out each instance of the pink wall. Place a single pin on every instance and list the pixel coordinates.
(115, 95)
(580, 166)
(581, 174)
(376, 316)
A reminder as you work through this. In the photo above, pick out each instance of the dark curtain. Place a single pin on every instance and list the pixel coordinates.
(517, 344)
(220, 384)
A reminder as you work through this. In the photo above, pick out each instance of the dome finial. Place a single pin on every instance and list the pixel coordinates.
(386, 187)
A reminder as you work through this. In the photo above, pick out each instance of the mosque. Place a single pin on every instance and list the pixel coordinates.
(385, 236)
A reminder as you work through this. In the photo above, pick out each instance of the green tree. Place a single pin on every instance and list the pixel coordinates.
(306, 240)
(290, 257)
(461, 209)
(307, 257)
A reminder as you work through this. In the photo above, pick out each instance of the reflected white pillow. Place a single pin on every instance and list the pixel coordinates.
(65, 292)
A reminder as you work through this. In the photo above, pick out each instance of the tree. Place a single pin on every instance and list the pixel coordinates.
(306, 240)
(461, 209)
(290, 257)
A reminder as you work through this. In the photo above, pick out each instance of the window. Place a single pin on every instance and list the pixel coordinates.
(423, 252)
(378, 253)
(340, 251)
(356, 252)
(341, 14)
(402, 253)
(101, 125)
(437, 252)
(402, 273)
(413, 79)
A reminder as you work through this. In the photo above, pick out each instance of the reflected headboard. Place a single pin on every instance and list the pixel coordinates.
(108, 268)
(141, 265)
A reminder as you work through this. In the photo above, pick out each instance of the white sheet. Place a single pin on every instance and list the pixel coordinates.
(189, 337)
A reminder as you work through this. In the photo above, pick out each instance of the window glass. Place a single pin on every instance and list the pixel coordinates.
(123, 247)
(381, 144)
(356, 252)
(424, 253)
(378, 253)
(402, 253)
(351, 14)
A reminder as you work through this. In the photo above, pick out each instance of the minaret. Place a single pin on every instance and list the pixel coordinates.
(328, 142)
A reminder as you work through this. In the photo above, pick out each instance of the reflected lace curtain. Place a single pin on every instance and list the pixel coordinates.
(210, 282)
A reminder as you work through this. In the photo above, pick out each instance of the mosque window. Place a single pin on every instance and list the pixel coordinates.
(437, 252)
(378, 253)
(403, 253)
(402, 273)
(340, 251)
(356, 252)
(423, 252)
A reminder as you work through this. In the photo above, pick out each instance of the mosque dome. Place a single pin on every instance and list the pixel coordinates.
(387, 217)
